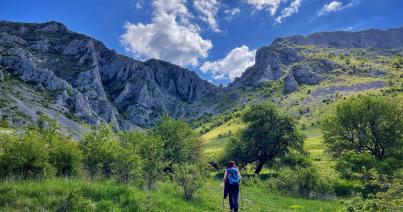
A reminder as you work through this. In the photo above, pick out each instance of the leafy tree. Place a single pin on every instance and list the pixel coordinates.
(152, 153)
(179, 142)
(132, 167)
(268, 135)
(190, 177)
(237, 150)
(365, 124)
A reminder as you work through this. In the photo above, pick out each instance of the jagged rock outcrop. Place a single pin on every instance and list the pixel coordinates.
(323, 65)
(95, 83)
(267, 65)
(303, 74)
(300, 74)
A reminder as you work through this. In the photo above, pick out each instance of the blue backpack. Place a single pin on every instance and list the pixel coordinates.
(232, 176)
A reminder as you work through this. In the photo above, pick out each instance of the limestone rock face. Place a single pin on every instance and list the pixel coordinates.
(300, 74)
(94, 83)
(268, 65)
(323, 66)
(303, 75)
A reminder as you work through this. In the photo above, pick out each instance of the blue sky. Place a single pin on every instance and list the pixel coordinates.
(217, 39)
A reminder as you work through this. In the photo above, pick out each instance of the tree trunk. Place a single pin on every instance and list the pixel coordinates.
(259, 167)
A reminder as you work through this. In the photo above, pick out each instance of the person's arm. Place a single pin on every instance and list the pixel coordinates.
(239, 174)
(225, 175)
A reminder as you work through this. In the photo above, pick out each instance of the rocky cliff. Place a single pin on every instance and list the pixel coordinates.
(91, 82)
(276, 61)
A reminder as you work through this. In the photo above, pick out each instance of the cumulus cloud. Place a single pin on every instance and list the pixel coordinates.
(288, 11)
(270, 5)
(232, 65)
(170, 36)
(208, 9)
(232, 13)
(334, 6)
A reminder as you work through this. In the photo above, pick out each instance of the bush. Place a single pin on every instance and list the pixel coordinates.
(179, 142)
(345, 187)
(391, 200)
(151, 152)
(144, 157)
(304, 182)
(24, 155)
(190, 177)
(4, 122)
(102, 151)
(293, 160)
(352, 163)
(74, 201)
(65, 156)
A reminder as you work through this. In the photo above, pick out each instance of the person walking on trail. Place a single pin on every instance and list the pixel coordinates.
(232, 181)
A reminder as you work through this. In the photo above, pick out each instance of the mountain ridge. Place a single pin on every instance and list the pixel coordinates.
(87, 81)
(96, 83)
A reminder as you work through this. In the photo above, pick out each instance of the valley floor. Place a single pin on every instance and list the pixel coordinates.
(84, 195)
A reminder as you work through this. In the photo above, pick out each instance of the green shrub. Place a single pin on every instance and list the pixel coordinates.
(102, 150)
(65, 156)
(391, 200)
(190, 177)
(345, 187)
(4, 122)
(179, 142)
(24, 155)
(74, 201)
(304, 182)
(152, 154)
(294, 159)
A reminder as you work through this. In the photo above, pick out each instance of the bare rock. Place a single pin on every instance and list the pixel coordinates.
(304, 75)
(290, 84)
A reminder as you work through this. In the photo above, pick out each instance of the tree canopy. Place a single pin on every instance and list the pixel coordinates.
(365, 124)
(269, 134)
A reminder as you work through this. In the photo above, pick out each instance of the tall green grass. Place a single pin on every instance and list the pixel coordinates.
(83, 195)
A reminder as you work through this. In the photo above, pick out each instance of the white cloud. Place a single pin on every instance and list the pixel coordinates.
(170, 35)
(232, 13)
(288, 11)
(270, 5)
(232, 65)
(209, 9)
(334, 6)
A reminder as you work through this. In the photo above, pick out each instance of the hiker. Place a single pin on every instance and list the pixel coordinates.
(232, 181)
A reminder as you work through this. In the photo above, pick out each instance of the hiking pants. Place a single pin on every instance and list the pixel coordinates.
(233, 192)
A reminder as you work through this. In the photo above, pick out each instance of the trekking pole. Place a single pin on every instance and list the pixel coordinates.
(223, 204)
(241, 196)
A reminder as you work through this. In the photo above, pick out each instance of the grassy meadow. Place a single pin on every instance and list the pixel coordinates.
(62, 194)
